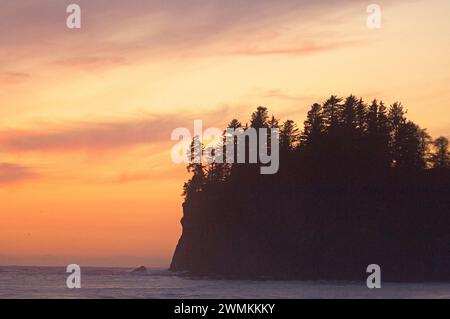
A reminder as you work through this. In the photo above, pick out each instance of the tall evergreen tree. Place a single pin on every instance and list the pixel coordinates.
(441, 156)
(396, 116)
(260, 121)
(289, 136)
(383, 140)
(217, 169)
(273, 122)
(195, 166)
(331, 112)
(378, 135)
(424, 147)
(372, 118)
(260, 118)
(361, 116)
(408, 146)
(234, 124)
(399, 132)
(349, 114)
(314, 126)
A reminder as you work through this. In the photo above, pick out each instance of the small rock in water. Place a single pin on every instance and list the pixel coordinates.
(140, 270)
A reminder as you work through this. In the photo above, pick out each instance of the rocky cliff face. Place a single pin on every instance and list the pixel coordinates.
(312, 231)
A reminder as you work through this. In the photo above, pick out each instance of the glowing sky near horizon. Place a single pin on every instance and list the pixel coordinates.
(86, 115)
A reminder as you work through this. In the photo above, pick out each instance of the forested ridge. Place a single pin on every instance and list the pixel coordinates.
(358, 184)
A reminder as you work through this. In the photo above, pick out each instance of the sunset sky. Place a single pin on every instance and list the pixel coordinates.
(86, 115)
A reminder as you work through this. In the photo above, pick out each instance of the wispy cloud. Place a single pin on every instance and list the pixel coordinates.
(7, 78)
(91, 136)
(302, 50)
(280, 94)
(12, 173)
(91, 62)
(97, 136)
(158, 29)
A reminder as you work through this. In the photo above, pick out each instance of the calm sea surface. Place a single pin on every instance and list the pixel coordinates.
(50, 282)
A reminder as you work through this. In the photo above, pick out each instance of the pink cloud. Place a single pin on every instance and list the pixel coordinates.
(155, 29)
(12, 173)
(7, 78)
(302, 50)
(90, 63)
(97, 136)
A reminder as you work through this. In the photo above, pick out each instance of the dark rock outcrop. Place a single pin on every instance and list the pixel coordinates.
(139, 270)
(331, 230)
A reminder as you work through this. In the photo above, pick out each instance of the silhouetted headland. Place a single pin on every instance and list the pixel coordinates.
(359, 184)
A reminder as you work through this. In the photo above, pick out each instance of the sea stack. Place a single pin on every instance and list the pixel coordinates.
(139, 270)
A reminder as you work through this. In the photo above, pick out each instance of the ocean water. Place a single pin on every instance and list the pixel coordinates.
(50, 282)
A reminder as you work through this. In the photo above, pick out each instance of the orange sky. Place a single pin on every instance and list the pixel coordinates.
(86, 115)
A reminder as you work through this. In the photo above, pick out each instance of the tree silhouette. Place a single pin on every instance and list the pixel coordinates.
(260, 118)
(408, 151)
(331, 112)
(273, 123)
(233, 125)
(361, 116)
(196, 167)
(349, 114)
(314, 126)
(289, 136)
(441, 158)
(378, 135)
